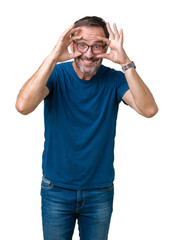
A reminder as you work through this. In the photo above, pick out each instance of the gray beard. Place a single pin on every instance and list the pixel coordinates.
(93, 70)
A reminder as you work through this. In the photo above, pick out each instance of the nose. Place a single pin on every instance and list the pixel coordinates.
(89, 53)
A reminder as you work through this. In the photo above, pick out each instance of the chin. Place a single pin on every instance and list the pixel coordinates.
(87, 70)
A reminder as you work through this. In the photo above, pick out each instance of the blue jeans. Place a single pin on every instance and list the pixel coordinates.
(61, 207)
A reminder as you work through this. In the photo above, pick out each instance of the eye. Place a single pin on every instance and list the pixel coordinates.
(97, 46)
(82, 45)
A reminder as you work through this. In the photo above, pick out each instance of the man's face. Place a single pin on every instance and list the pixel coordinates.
(88, 63)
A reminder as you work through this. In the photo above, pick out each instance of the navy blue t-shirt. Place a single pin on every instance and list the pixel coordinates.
(80, 126)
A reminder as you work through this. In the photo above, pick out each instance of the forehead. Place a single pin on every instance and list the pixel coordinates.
(91, 33)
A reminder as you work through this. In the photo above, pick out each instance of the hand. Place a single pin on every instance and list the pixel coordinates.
(117, 53)
(60, 52)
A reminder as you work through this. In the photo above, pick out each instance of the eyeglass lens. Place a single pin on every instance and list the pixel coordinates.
(83, 47)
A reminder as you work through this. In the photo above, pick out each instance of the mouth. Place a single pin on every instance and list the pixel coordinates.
(89, 61)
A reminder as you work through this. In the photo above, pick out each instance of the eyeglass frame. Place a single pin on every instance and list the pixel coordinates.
(89, 47)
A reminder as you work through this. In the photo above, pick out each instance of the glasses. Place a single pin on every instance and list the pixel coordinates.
(96, 49)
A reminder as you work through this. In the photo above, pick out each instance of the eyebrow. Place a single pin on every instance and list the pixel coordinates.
(97, 41)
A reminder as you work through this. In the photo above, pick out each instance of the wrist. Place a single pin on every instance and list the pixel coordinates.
(51, 58)
(128, 66)
(128, 61)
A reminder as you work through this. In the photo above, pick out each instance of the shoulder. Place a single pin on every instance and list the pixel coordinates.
(64, 66)
(112, 71)
(61, 69)
(112, 74)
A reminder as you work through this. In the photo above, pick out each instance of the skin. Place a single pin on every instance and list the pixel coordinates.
(86, 70)
(34, 90)
(139, 96)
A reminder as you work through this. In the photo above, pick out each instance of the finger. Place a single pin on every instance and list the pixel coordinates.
(70, 33)
(121, 35)
(103, 55)
(75, 38)
(75, 30)
(106, 40)
(68, 30)
(111, 34)
(74, 55)
(116, 30)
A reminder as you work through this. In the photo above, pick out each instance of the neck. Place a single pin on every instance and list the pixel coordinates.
(82, 75)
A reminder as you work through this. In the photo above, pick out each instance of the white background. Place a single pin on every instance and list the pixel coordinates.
(144, 158)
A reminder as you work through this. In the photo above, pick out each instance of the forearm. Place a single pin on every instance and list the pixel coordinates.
(35, 90)
(142, 96)
(32, 91)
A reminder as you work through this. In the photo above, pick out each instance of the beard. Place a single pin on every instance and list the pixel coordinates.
(85, 68)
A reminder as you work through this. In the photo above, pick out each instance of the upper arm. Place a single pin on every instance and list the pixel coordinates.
(45, 92)
(25, 106)
(128, 99)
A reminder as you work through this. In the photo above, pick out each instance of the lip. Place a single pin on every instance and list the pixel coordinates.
(86, 62)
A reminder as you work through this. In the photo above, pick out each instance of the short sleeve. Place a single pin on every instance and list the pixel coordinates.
(51, 80)
(122, 86)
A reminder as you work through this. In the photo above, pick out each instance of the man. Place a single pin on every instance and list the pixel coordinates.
(81, 100)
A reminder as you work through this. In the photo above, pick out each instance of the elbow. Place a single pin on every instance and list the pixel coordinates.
(152, 111)
(20, 107)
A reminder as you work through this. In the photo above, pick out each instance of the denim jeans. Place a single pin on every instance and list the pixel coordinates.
(61, 207)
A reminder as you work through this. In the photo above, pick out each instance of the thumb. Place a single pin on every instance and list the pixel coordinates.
(103, 55)
(74, 55)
